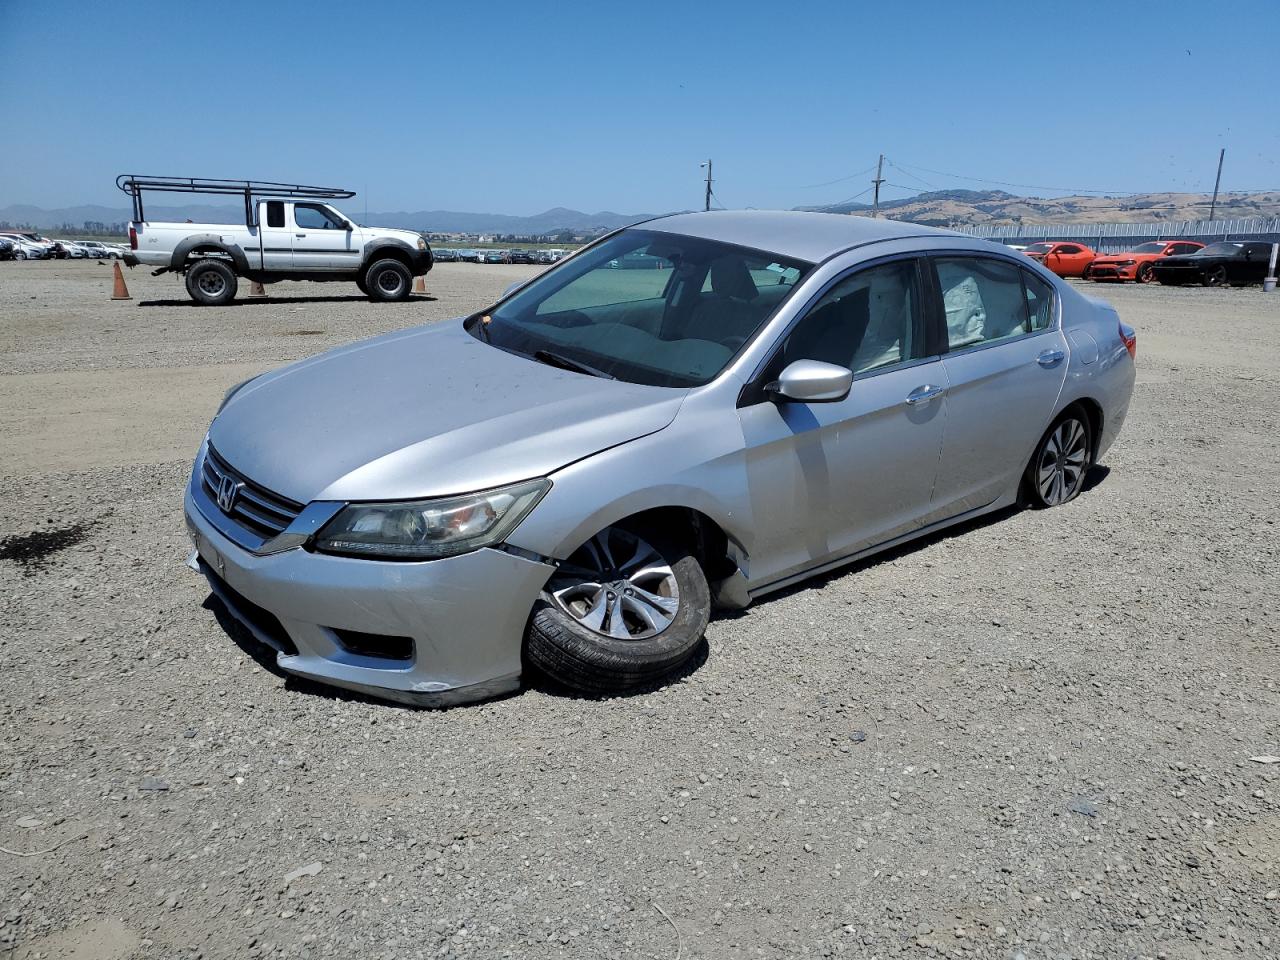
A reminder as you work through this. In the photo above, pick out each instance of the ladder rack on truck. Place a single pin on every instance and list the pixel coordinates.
(135, 185)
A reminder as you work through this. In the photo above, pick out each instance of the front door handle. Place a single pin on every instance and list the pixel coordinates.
(1050, 358)
(299, 234)
(924, 394)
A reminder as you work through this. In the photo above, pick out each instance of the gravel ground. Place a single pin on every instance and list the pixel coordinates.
(1028, 737)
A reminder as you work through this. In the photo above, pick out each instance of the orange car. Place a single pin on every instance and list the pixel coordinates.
(1064, 259)
(1136, 264)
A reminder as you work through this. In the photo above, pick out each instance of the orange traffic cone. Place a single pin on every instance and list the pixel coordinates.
(256, 290)
(419, 284)
(121, 292)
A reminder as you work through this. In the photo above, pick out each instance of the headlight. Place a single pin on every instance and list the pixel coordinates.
(1125, 263)
(233, 391)
(427, 529)
(422, 244)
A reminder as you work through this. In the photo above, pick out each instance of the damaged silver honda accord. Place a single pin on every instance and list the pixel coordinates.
(701, 408)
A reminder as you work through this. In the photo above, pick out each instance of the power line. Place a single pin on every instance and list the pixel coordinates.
(1006, 183)
(828, 183)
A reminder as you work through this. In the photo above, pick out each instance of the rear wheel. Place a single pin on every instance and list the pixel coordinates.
(1056, 472)
(388, 280)
(1216, 276)
(211, 283)
(626, 609)
(1146, 273)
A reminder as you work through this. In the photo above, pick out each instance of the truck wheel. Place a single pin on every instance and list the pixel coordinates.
(211, 283)
(388, 280)
(364, 287)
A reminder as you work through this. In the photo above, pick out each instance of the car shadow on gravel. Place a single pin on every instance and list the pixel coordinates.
(1096, 475)
(269, 301)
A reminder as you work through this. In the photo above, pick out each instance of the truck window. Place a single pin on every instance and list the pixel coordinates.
(312, 217)
(275, 213)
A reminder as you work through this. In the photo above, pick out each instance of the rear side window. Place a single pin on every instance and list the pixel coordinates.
(984, 300)
(1039, 301)
(275, 213)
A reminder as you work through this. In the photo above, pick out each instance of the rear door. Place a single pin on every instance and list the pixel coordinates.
(1005, 364)
(275, 236)
(321, 240)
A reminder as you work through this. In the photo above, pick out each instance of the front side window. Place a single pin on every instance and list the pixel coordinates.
(984, 300)
(645, 306)
(1068, 250)
(869, 320)
(311, 217)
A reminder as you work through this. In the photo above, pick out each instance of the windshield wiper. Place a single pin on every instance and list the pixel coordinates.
(568, 363)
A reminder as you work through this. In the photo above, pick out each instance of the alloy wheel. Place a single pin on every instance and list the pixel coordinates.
(1146, 273)
(1060, 471)
(618, 585)
(1216, 277)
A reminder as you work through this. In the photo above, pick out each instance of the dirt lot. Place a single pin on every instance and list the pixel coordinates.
(1026, 738)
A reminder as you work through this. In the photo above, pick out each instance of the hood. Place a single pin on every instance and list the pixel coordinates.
(425, 412)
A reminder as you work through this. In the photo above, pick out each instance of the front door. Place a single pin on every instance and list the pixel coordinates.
(321, 240)
(828, 480)
(1005, 366)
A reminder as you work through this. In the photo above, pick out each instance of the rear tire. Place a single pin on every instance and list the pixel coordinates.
(211, 283)
(388, 280)
(624, 611)
(1215, 276)
(1062, 459)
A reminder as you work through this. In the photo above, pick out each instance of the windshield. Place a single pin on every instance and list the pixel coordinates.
(1149, 248)
(1221, 250)
(646, 307)
(1039, 248)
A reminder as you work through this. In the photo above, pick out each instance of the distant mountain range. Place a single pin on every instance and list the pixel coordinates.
(940, 208)
(442, 221)
(946, 208)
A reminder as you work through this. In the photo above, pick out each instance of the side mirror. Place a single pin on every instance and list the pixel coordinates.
(811, 381)
(512, 288)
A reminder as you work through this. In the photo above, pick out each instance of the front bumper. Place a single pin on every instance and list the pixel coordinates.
(466, 615)
(1112, 271)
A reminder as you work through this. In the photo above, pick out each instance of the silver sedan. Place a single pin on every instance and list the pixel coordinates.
(698, 410)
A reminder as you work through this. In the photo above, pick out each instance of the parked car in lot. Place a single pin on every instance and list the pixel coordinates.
(1138, 264)
(69, 250)
(493, 256)
(568, 478)
(1064, 259)
(30, 248)
(1218, 264)
(520, 256)
(98, 249)
(444, 255)
(8, 249)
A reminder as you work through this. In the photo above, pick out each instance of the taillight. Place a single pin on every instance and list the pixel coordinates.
(133, 237)
(1130, 338)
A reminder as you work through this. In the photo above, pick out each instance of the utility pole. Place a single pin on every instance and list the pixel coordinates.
(707, 206)
(875, 202)
(1213, 207)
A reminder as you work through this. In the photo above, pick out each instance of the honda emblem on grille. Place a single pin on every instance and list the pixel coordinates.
(228, 489)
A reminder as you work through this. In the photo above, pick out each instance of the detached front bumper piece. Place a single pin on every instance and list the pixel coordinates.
(433, 633)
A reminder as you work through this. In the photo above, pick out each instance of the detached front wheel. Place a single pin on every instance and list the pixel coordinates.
(211, 283)
(623, 611)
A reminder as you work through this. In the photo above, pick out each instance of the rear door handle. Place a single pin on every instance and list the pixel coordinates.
(1050, 358)
(924, 394)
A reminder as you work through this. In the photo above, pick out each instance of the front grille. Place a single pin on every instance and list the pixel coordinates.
(256, 508)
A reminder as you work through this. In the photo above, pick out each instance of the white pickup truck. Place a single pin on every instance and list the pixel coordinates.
(292, 235)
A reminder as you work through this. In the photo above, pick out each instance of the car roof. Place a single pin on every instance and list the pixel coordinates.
(791, 233)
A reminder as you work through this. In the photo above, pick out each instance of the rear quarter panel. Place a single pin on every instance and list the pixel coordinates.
(1099, 367)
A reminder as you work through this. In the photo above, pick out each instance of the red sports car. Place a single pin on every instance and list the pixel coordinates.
(1064, 259)
(1137, 264)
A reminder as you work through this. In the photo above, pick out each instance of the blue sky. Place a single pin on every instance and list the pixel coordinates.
(517, 107)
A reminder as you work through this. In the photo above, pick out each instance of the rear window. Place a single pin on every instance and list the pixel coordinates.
(275, 213)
